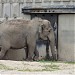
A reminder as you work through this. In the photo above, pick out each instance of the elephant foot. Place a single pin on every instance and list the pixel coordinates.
(29, 59)
(53, 58)
(1, 55)
(0, 58)
(36, 58)
(47, 57)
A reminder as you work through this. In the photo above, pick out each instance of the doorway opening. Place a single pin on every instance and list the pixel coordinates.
(53, 18)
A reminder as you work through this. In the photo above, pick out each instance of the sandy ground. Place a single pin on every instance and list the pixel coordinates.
(8, 67)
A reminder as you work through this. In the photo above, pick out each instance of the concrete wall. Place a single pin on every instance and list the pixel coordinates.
(14, 6)
(66, 37)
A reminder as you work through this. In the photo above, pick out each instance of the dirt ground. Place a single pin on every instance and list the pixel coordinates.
(9, 67)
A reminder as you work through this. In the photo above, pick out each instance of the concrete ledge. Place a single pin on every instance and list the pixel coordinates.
(52, 0)
(38, 1)
(3, 1)
(73, 0)
(65, 0)
(29, 1)
(20, 1)
(47, 0)
(9, 1)
(57, 0)
(14, 1)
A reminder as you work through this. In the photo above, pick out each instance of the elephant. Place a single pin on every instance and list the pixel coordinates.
(20, 33)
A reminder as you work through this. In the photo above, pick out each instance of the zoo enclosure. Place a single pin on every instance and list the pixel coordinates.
(66, 22)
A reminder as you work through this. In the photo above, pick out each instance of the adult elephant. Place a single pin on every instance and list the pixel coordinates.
(20, 33)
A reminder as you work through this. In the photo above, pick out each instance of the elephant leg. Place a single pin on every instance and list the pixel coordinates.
(30, 53)
(2, 53)
(31, 48)
(47, 50)
(4, 47)
(52, 45)
(36, 55)
(26, 51)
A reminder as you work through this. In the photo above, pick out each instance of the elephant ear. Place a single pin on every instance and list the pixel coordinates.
(50, 25)
(40, 25)
(41, 28)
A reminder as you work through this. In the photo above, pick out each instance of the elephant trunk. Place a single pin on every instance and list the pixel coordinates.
(0, 45)
(52, 45)
(0, 40)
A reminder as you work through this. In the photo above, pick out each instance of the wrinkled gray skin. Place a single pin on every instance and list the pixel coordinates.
(20, 33)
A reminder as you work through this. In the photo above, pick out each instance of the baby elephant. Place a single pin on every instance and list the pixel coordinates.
(20, 33)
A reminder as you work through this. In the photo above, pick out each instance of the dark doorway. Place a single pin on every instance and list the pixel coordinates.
(53, 18)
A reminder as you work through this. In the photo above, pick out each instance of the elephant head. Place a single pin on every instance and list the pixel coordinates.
(44, 29)
(46, 33)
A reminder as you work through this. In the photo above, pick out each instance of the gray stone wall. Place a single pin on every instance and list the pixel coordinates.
(66, 37)
(14, 6)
